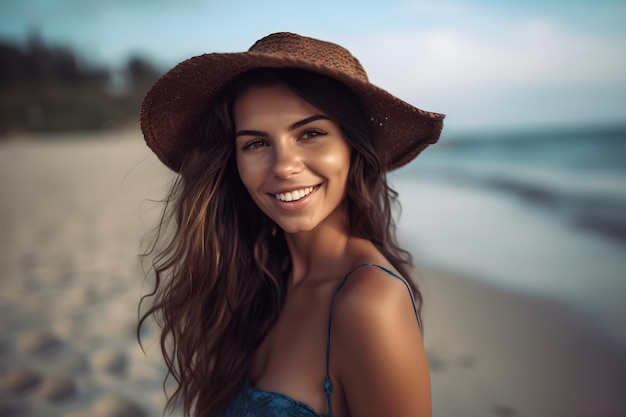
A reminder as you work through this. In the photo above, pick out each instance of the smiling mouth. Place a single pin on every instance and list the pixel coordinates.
(294, 195)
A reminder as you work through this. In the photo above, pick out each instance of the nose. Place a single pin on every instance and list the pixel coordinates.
(287, 161)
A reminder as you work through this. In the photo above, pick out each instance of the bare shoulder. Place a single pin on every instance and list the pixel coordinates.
(378, 352)
(371, 292)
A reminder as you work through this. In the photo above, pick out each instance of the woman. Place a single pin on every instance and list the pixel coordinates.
(279, 289)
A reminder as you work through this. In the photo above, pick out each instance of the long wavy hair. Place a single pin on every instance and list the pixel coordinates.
(220, 266)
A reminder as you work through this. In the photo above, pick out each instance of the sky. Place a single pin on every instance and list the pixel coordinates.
(487, 64)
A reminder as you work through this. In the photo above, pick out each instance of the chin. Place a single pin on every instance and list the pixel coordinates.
(293, 231)
(295, 228)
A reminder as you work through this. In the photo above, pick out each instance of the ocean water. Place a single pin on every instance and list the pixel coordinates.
(543, 212)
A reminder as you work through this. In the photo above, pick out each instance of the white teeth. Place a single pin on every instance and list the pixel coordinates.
(294, 195)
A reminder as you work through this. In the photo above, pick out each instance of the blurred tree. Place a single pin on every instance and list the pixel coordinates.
(11, 64)
(48, 88)
(140, 71)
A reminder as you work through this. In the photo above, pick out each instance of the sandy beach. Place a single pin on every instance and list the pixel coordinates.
(497, 353)
(72, 214)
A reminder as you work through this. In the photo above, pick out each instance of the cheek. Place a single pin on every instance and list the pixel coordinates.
(338, 160)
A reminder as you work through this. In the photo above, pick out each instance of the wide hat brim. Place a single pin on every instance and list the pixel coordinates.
(172, 111)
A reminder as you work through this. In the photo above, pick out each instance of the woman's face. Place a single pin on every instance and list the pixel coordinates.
(291, 157)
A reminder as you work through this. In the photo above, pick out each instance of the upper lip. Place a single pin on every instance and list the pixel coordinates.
(291, 189)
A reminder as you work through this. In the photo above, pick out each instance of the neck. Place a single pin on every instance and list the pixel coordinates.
(319, 252)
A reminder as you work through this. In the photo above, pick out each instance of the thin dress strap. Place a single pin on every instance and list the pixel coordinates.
(328, 386)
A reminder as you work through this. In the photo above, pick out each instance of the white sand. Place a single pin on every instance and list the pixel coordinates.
(503, 354)
(72, 212)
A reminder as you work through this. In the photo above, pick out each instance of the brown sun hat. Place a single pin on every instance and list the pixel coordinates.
(173, 109)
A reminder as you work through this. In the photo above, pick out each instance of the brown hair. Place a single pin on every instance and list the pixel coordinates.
(220, 275)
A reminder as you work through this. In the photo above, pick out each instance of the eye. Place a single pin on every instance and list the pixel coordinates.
(312, 133)
(254, 144)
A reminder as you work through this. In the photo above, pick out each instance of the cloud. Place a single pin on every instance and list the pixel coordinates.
(532, 52)
(533, 72)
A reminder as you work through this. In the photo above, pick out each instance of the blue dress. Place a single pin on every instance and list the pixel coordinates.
(251, 402)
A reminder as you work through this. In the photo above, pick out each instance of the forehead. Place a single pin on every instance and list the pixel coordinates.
(271, 103)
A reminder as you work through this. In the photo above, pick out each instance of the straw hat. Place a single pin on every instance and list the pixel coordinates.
(173, 109)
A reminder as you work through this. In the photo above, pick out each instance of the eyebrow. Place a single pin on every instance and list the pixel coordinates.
(292, 127)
